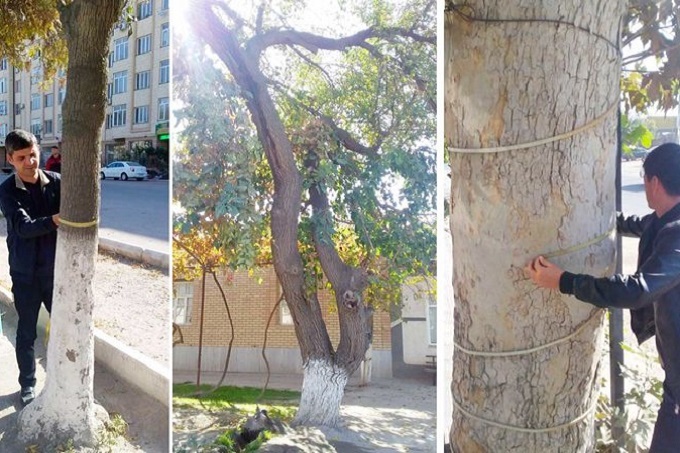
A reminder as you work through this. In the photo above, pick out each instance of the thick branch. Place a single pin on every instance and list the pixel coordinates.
(344, 136)
(314, 43)
(341, 276)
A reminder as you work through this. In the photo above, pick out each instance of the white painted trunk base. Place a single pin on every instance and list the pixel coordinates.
(322, 390)
(65, 409)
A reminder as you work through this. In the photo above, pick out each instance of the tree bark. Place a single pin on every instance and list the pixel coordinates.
(323, 386)
(66, 409)
(515, 74)
(320, 361)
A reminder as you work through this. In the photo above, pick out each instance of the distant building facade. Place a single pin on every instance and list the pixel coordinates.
(251, 299)
(138, 102)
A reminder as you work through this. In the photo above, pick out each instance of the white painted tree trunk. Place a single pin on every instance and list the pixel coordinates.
(510, 83)
(367, 366)
(322, 389)
(65, 409)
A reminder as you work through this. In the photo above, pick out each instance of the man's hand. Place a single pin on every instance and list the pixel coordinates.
(544, 273)
(55, 219)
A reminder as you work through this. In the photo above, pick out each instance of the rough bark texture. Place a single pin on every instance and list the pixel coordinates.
(347, 282)
(65, 409)
(511, 82)
(322, 390)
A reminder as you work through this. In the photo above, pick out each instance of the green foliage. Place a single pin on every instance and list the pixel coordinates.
(636, 423)
(635, 134)
(114, 429)
(381, 195)
(31, 30)
(652, 27)
(226, 440)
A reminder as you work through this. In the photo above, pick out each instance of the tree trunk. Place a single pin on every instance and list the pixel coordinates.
(65, 409)
(320, 361)
(322, 389)
(515, 74)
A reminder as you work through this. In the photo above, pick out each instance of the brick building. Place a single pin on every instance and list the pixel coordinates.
(251, 299)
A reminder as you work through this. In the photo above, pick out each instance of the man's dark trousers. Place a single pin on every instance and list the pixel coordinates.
(28, 296)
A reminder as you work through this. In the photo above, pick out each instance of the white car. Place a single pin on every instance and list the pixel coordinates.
(124, 170)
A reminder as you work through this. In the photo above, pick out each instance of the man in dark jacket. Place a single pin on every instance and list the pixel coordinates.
(30, 203)
(653, 292)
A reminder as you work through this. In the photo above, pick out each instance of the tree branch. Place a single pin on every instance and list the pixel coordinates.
(314, 43)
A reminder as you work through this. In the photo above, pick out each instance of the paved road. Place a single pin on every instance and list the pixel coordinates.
(633, 198)
(136, 212)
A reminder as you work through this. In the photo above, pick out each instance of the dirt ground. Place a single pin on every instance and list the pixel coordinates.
(131, 304)
(390, 415)
(131, 301)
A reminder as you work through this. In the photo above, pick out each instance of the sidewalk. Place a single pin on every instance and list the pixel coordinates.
(389, 415)
(146, 417)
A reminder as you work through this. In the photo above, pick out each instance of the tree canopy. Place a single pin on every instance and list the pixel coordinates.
(356, 96)
(652, 29)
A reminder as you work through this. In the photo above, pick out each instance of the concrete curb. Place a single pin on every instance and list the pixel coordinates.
(135, 252)
(128, 364)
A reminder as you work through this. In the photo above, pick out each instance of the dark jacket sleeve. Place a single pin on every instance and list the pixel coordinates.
(19, 220)
(632, 226)
(658, 275)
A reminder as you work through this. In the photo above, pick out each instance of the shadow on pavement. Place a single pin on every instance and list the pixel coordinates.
(147, 419)
(634, 188)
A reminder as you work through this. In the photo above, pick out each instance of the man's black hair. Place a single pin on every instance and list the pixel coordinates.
(19, 139)
(664, 163)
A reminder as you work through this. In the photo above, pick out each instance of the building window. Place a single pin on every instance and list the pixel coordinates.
(163, 109)
(3, 85)
(59, 124)
(35, 127)
(144, 9)
(62, 95)
(3, 130)
(184, 299)
(4, 64)
(431, 321)
(121, 49)
(47, 127)
(165, 34)
(165, 4)
(119, 82)
(3, 110)
(17, 86)
(35, 101)
(144, 44)
(117, 118)
(142, 114)
(142, 80)
(49, 100)
(164, 72)
(112, 59)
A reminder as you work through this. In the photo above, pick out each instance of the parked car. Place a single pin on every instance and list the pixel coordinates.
(635, 154)
(124, 170)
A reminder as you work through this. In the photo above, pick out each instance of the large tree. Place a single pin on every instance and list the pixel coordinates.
(343, 112)
(526, 359)
(66, 409)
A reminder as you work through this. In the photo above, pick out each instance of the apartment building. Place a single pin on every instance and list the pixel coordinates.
(138, 99)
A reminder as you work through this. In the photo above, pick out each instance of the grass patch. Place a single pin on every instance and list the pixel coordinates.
(240, 399)
(234, 405)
